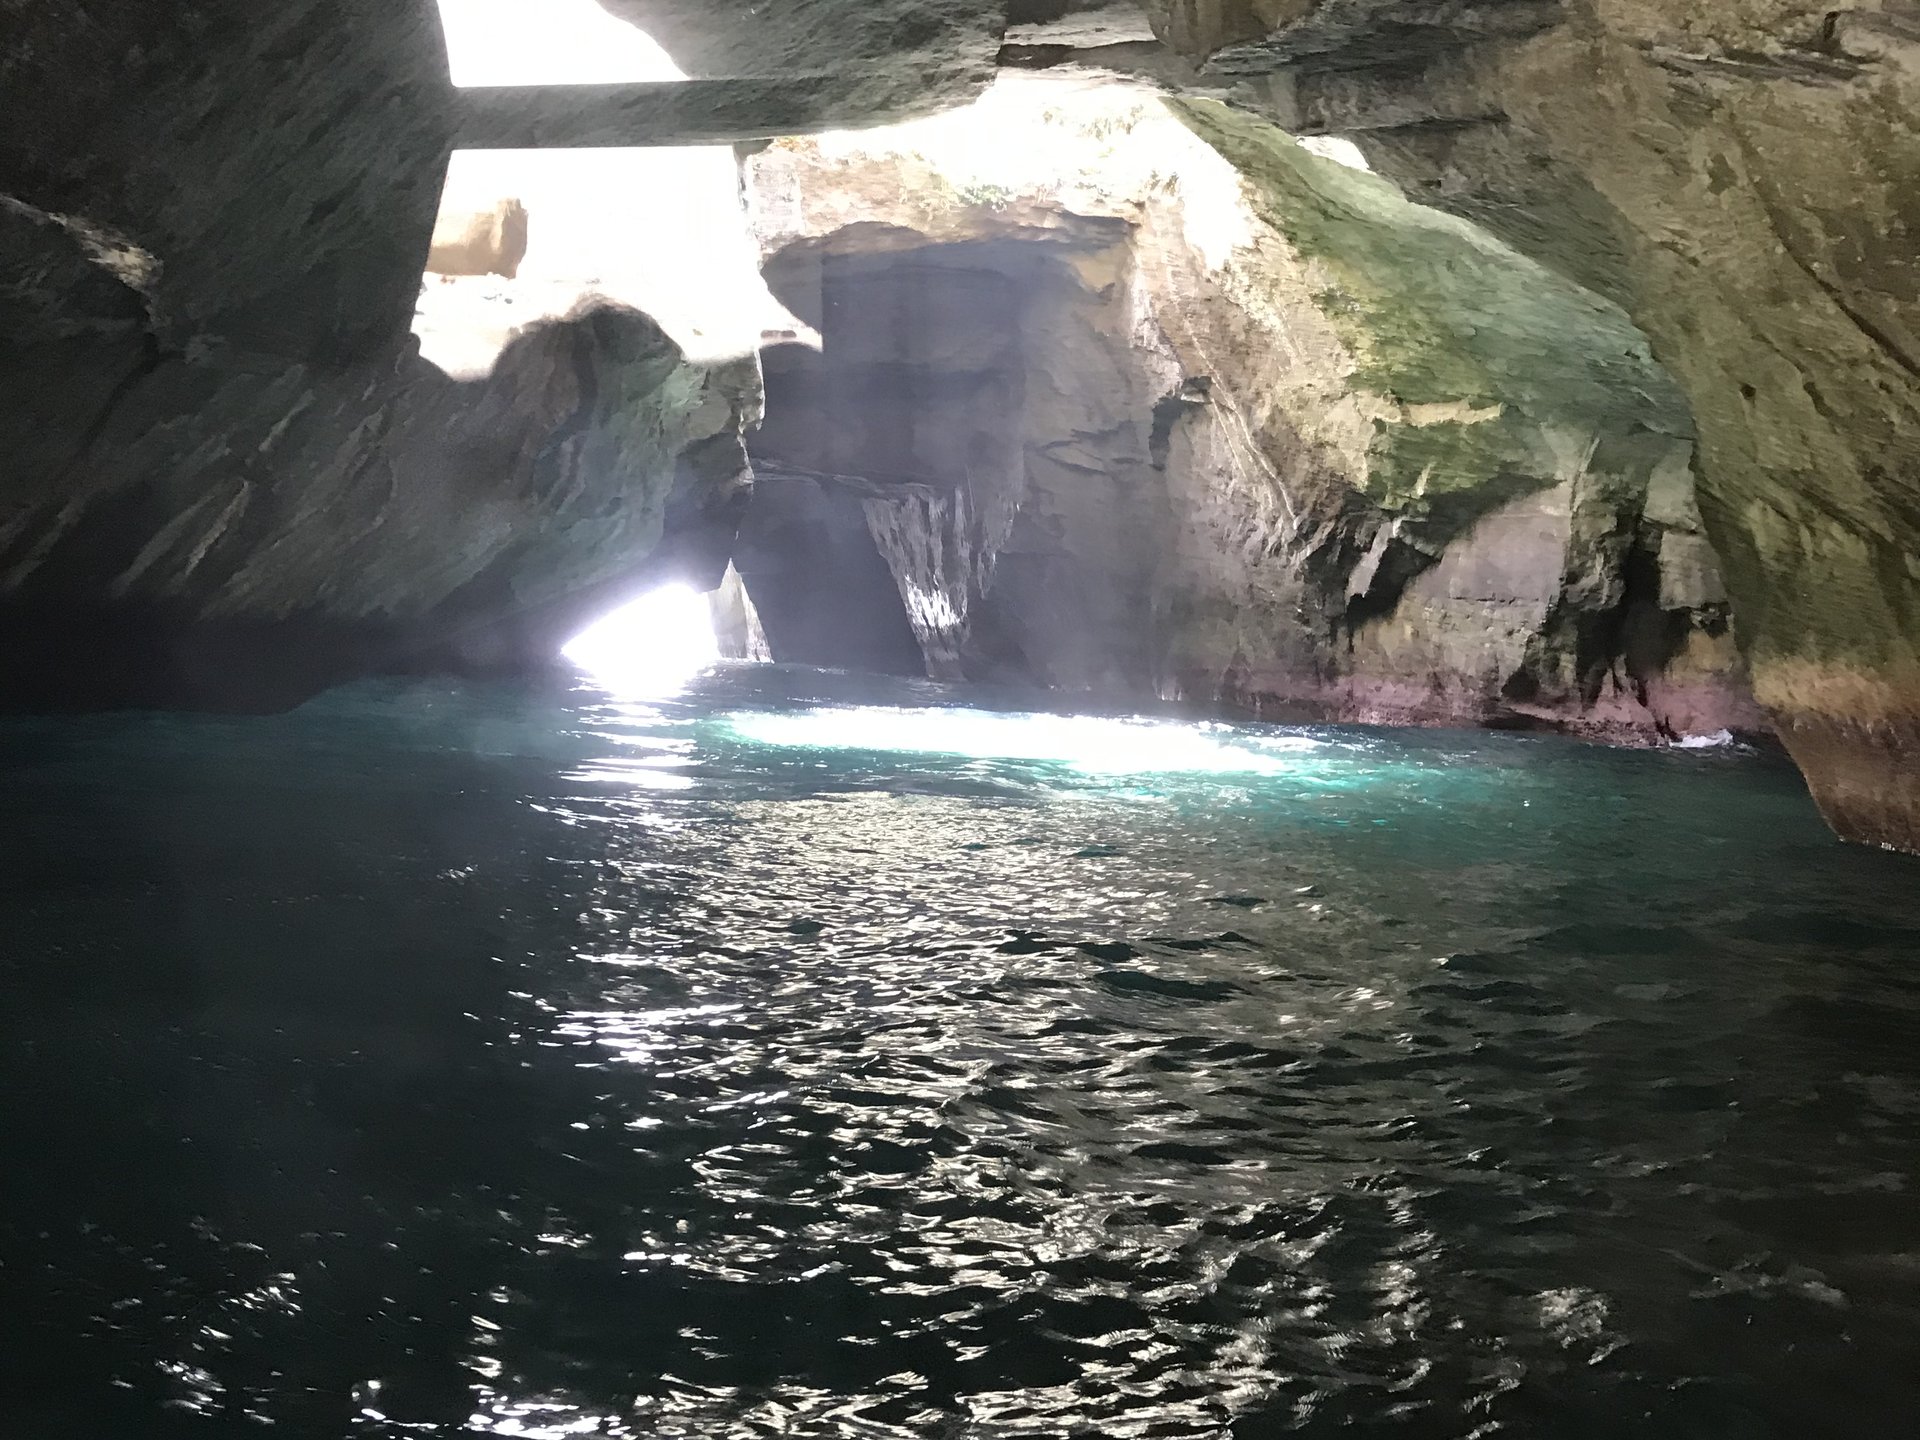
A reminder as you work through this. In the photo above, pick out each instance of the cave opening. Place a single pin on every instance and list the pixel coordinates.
(654, 643)
(1256, 895)
(527, 236)
(556, 42)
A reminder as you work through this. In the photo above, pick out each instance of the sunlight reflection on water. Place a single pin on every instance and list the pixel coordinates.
(896, 1074)
(1095, 744)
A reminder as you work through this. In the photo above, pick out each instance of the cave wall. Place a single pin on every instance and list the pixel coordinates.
(1743, 180)
(230, 478)
(213, 209)
(1309, 450)
(235, 527)
(809, 564)
(940, 366)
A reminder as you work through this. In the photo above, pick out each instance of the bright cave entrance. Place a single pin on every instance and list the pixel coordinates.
(1154, 954)
(658, 642)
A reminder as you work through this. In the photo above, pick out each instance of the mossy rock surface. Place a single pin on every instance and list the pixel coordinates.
(1506, 376)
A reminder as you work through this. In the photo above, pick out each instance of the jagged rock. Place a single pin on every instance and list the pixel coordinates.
(235, 528)
(1277, 440)
(910, 56)
(1744, 181)
(220, 203)
(231, 480)
(737, 631)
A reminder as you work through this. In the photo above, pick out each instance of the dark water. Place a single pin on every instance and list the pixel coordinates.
(440, 1061)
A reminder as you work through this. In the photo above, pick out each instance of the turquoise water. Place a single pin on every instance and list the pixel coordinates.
(817, 1056)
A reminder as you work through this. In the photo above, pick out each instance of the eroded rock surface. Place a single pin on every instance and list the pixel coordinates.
(1123, 422)
(230, 477)
(225, 208)
(1745, 181)
(235, 527)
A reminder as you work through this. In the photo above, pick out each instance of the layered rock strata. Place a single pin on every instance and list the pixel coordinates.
(1123, 423)
(1744, 180)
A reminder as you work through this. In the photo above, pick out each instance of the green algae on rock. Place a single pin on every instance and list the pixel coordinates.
(1281, 438)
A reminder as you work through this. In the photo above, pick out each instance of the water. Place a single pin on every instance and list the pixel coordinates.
(444, 1061)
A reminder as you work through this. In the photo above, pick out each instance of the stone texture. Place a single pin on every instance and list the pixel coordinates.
(242, 536)
(231, 480)
(737, 631)
(225, 205)
(235, 527)
(910, 56)
(1743, 179)
(1265, 435)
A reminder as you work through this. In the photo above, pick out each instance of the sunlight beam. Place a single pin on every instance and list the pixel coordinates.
(653, 645)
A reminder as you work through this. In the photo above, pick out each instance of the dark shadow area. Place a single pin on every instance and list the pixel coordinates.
(823, 592)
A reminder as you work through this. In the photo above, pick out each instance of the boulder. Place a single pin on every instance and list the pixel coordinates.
(480, 242)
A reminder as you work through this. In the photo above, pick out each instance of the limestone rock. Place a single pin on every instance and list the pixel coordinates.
(1743, 179)
(1263, 433)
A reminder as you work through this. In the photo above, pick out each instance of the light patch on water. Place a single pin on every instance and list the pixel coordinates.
(1087, 742)
(542, 1420)
(653, 645)
(636, 1035)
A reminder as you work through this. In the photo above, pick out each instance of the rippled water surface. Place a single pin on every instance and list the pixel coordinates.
(805, 1056)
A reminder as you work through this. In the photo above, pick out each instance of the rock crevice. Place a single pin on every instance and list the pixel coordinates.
(1213, 418)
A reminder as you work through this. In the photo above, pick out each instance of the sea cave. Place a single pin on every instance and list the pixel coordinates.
(960, 718)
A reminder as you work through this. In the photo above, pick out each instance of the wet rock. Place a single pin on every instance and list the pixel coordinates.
(216, 215)
(231, 480)
(1683, 160)
(237, 529)
(1267, 435)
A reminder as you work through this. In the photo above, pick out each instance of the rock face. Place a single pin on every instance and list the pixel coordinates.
(1287, 441)
(908, 56)
(214, 215)
(230, 478)
(1745, 181)
(241, 528)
